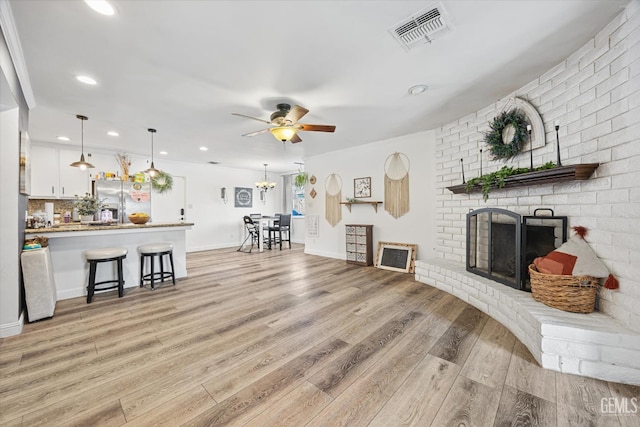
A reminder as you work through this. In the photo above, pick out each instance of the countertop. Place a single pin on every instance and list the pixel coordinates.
(64, 228)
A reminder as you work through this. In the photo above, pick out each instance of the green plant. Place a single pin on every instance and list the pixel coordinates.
(87, 204)
(301, 179)
(494, 138)
(496, 179)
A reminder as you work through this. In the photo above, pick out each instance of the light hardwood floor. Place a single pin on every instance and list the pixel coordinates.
(284, 338)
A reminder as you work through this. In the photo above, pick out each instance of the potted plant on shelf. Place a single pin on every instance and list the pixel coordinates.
(87, 206)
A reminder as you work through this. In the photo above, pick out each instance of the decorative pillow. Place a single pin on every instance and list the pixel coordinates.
(576, 258)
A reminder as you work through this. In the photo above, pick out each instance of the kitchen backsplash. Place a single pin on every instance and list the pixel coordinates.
(59, 205)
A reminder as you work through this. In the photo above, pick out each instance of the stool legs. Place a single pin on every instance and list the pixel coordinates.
(173, 276)
(92, 281)
(152, 276)
(119, 281)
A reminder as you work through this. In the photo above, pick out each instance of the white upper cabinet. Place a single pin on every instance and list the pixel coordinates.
(51, 175)
(73, 181)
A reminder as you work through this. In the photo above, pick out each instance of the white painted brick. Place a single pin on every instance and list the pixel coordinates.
(569, 365)
(612, 110)
(581, 76)
(566, 348)
(597, 104)
(621, 357)
(596, 79)
(551, 361)
(587, 47)
(610, 372)
(611, 83)
(596, 131)
(629, 118)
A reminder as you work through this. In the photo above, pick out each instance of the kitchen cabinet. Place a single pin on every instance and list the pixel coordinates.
(359, 244)
(51, 175)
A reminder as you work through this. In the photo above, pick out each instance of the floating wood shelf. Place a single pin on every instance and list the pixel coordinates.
(358, 202)
(548, 176)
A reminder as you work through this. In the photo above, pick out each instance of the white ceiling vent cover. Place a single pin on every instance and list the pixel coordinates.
(422, 27)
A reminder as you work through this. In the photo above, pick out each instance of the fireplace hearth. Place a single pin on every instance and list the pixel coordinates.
(501, 244)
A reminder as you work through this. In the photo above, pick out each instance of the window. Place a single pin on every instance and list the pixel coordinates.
(293, 196)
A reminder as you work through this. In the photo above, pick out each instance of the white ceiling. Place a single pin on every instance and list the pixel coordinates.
(183, 67)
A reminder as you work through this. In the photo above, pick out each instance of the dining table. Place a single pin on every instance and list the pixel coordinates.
(264, 223)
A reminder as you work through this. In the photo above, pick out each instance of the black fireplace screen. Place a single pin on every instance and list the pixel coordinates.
(501, 244)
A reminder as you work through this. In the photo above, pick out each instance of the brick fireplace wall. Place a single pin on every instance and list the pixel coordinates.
(595, 96)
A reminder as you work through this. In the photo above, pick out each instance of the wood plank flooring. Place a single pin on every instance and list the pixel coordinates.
(286, 339)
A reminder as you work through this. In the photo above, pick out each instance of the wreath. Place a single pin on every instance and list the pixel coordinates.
(162, 182)
(498, 148)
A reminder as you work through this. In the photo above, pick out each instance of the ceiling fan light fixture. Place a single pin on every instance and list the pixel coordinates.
(82, 163)
(283, 133)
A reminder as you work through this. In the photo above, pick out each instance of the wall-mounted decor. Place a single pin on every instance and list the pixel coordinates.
(362, 187)
(313, 225)
(243, 197)
(25, 164)
(396, 256)
(508, 134)
(533, 119)
(396, 184)
(333, 196)
(313, 193)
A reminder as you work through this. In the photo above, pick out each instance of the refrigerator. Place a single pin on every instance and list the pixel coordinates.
(124, 197)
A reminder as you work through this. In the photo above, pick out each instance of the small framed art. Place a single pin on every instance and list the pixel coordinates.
(362, 187)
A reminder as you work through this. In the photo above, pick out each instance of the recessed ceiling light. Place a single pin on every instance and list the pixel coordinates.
(417, 89)
(164, 153)
(86, 80)
(113, 133)
(203, 148)
(101, 6)
(64, 138)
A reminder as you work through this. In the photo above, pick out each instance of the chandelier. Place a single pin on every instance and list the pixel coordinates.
(265, 184)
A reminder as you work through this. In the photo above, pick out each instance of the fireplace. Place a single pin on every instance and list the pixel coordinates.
(501, 244)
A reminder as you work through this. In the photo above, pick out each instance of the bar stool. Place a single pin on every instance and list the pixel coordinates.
(96, 256)
(153, 250)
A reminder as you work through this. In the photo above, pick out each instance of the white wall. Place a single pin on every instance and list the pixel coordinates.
(417, 226)
(595, 95)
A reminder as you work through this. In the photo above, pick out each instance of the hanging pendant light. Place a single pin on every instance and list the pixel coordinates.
(152, 171)
(265, 185)
(82, 164)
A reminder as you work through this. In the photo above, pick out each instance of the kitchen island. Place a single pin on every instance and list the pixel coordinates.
(67, 243)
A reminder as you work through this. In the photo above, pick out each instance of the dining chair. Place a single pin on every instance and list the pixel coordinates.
(281, 230)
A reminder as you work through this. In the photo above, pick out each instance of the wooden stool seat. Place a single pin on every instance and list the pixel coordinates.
(153, 250)
(96, 256)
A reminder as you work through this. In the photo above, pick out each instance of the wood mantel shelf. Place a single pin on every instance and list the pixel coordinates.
(373, 203)
(548, 176)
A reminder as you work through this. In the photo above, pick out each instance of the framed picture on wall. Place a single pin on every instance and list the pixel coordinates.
(25, 164)
(243, 197)
(362, 187)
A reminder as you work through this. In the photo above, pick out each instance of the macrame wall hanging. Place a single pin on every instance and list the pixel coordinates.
(333, 197)
(396, 184)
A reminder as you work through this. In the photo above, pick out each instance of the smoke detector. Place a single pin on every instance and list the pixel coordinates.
(422, 27)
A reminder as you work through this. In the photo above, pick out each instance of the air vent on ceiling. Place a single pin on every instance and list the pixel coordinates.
(422, 27)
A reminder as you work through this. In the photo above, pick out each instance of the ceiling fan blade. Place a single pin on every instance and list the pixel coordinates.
(257, 132)
(295, 114)
(316, 128)
(295, 139)
(249, 117)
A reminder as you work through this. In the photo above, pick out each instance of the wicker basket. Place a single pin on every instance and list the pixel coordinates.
(576, 294)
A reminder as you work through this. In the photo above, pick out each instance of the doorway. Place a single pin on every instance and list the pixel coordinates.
(170, 206)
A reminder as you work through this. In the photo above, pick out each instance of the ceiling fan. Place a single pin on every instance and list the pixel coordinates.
(285, 123)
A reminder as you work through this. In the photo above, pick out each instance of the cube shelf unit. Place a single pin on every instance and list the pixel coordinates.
(359, 240)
